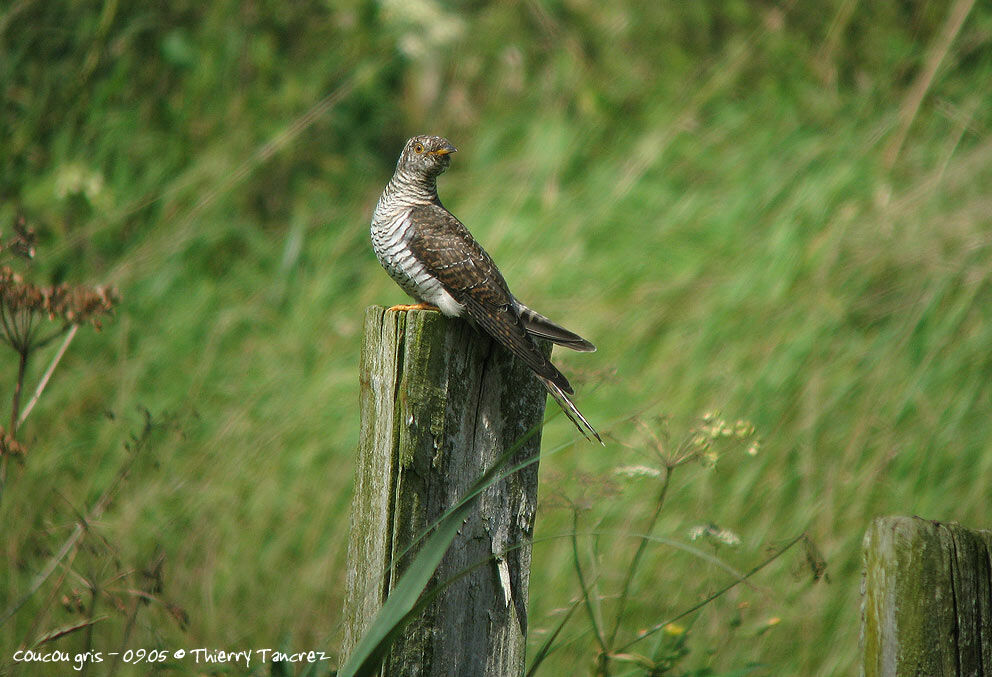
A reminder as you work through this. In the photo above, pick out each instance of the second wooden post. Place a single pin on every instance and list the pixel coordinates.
(927, 599)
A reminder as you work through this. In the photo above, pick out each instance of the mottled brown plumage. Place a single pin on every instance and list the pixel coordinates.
(435, 259)
(468, 273)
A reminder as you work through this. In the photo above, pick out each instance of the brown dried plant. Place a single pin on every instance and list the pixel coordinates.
(33, 316)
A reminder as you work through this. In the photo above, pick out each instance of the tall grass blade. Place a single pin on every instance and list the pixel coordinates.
(547, 646)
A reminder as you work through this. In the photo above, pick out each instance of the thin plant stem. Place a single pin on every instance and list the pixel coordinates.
(935, 56)
(15, 407)
(39, 618)
(730, 586)
(139, 596)
(586, 595)
(8, 333)
(88, 642)
(548, 646)
(82, 525)
(48, 373)
(23, 321)
(636, 559)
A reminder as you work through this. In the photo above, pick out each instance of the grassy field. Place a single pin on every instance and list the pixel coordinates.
(774, 211)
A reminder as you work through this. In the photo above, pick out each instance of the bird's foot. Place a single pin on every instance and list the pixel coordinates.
(415, 306)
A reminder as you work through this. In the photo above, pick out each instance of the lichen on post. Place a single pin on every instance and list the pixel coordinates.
(926, 599)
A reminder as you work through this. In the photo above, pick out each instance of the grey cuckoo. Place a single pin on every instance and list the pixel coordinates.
(434, 258)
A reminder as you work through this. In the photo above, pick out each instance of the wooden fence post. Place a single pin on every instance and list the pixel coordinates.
(926, 599)
(439, 403)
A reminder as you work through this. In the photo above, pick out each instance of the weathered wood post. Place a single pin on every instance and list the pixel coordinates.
(926, 599)
(439, 403)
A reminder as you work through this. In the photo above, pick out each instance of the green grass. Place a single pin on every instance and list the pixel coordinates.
(699, 188)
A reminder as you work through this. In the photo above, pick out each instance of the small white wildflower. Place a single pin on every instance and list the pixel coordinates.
(426, 25)
(728, 537)
(715, 533)
(75, 179)
(752, 450)
(634, 471)
(743, 428)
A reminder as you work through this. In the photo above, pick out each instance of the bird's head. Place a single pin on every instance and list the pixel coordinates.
(426, 155)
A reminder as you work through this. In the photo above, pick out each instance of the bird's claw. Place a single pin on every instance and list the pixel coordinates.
(415, 306)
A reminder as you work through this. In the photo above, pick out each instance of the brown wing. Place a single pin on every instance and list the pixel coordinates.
(468, 273)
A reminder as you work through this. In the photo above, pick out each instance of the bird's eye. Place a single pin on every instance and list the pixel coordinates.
(419, 148)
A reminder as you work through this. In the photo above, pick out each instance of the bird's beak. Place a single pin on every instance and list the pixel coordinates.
(446, 149)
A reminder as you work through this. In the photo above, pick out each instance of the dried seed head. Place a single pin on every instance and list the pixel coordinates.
(9, 446)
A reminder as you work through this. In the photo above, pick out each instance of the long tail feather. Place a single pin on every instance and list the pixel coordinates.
(573, 413)
(540, 326)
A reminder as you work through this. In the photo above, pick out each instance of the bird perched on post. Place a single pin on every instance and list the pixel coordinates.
(434, 258)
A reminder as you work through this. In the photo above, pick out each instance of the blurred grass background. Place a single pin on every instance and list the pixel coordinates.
(776, 210)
